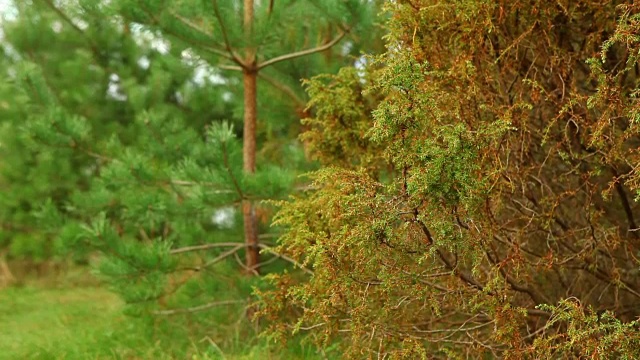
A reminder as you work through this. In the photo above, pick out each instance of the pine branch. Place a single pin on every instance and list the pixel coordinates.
(215, 245)
(303, 52)
(230, 67)
(64, 16)
(283, 88)
(189, 41)
(236, 247)
(252, 269)
(221, 257)
(204, 247)
(336, 21)
(225, 159)
(94, 48)
(273, 82)
(225, 36)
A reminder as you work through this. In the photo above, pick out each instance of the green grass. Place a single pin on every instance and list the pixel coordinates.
(73, 317)
(66, 323)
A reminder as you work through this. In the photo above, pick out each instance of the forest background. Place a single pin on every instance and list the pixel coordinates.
(451, 179)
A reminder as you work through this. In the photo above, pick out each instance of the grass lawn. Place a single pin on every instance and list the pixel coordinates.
(72, 317)
(42, 321)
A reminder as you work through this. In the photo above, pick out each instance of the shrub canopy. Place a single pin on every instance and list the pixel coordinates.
(477, 192)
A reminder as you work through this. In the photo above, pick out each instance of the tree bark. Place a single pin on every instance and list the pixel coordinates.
(249, 157)
(250, 81)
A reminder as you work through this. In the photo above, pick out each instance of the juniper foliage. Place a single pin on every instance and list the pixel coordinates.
(488, 210)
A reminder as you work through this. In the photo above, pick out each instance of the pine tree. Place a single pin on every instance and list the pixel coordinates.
(250, 37)
(489, 209)
(64, 78)
(129, 104)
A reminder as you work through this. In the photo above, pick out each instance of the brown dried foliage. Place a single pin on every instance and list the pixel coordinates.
(529, 109)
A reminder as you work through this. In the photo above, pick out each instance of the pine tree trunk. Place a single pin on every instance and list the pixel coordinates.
(250, 81)
(249, 157)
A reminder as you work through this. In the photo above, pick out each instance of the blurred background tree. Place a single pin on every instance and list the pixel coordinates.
(124, 134)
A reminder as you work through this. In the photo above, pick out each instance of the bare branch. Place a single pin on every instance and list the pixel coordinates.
(462, 275)
(230, 67)
(273, 82)
(306, 328)
(625, 203)
(460, 329)
(532, 292)
(303, 52)
(198, 308)
(285, 257)
(252, 269)
(220, 257)
(517, 41)
(257, 266)
(200, 45)
(283, 88)
(204, 247)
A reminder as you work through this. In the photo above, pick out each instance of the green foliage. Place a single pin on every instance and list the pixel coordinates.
(475, 197)
(71, 317)
(493, 182)
(340, 99)
(598, 336)
(120, 137)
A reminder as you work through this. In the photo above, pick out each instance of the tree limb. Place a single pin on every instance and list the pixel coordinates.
(225, 36)
(285, 257)
(283, 88)
(302, 53)
(625, 203)
(252, 269)
(230, 67)
(204, 247)
(273, 82)
(532, 292)
(221, 257)
(197, 308)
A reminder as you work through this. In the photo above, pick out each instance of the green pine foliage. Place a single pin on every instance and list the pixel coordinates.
(120, 140)
(66, 109)
(488, 211)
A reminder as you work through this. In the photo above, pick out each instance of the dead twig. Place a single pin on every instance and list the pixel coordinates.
(198, 308)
